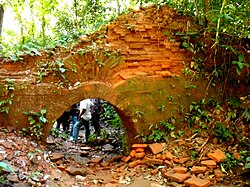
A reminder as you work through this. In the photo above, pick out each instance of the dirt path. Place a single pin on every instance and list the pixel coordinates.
(63, 163)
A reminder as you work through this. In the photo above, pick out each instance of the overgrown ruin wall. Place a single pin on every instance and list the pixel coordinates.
(134, 63)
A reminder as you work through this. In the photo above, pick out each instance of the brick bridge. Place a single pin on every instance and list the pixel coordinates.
(135, 63)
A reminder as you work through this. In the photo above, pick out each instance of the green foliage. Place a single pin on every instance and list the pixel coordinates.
(92, 138)
(162, 108)
(55, 132)
(240, 64)
(222, 133)
(36, 120)
(247, 164)
(161, 130)
(231, 162)
(110, 116)
(55, 68)
(8, 88)
(5, 166)
(197, 114)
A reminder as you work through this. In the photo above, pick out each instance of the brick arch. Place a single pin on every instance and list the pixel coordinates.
(135, 63)
(96, 90)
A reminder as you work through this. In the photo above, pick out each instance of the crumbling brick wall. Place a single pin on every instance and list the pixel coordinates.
(134, 63)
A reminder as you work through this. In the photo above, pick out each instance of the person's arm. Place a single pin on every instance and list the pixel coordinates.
(82, 112)
(101, 109)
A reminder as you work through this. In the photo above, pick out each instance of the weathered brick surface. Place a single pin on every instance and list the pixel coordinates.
(177, 177)
(132, 67)
(209, 163)
(217, 155)
(198, 169)
(157, 147)
(197, 182)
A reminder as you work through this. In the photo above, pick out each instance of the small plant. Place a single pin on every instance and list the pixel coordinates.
(56, 68)
(193, 155)
(247, 164)
(158, 135)
(104, 134)
(162, 108)
(240, 64)
(197, 114)
(222, 133)
(230, 162)
(8, 88)
(36, 121)
(55, 132)
(171, 99)
(161, 130)
(5, 166)
(92, 138)
(139, 114)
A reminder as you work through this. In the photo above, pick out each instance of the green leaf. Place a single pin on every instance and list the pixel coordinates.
(172, 134)
(36, 51)
(248, 159)
(5, 166)
(247, 166)
(241, 58)
(42, 119)
(185, 44)
(31, 120)
(179, 33)
(43, 111)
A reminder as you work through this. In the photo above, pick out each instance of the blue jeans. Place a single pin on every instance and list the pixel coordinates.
(77, 126)
(74, 119)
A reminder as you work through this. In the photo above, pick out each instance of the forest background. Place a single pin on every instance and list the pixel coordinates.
(40, 24)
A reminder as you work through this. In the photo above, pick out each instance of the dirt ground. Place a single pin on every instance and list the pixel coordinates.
(104, 163)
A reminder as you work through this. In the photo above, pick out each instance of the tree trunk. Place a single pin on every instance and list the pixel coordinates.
(1, 19)
(206, 9)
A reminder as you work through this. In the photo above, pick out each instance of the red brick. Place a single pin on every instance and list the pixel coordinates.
(176, 160)
(134, 163)
(179, 169)
(197, 182)
(157, 147)
(177, 177)
(218, 173)
(168, 163)
(139, 145)
(168, 155)
(127, 158)
(139, 149)
(209, 163)
(152, 161)
(132, 153)
(139, 155)
(217, 155)
(183, 160)
(198, 169)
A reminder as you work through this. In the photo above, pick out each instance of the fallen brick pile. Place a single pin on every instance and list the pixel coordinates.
(200, 173)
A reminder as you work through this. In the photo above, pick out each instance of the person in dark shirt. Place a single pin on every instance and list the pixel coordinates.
(96, 111)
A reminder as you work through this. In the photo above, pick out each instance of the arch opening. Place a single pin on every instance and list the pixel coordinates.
(109, 139)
